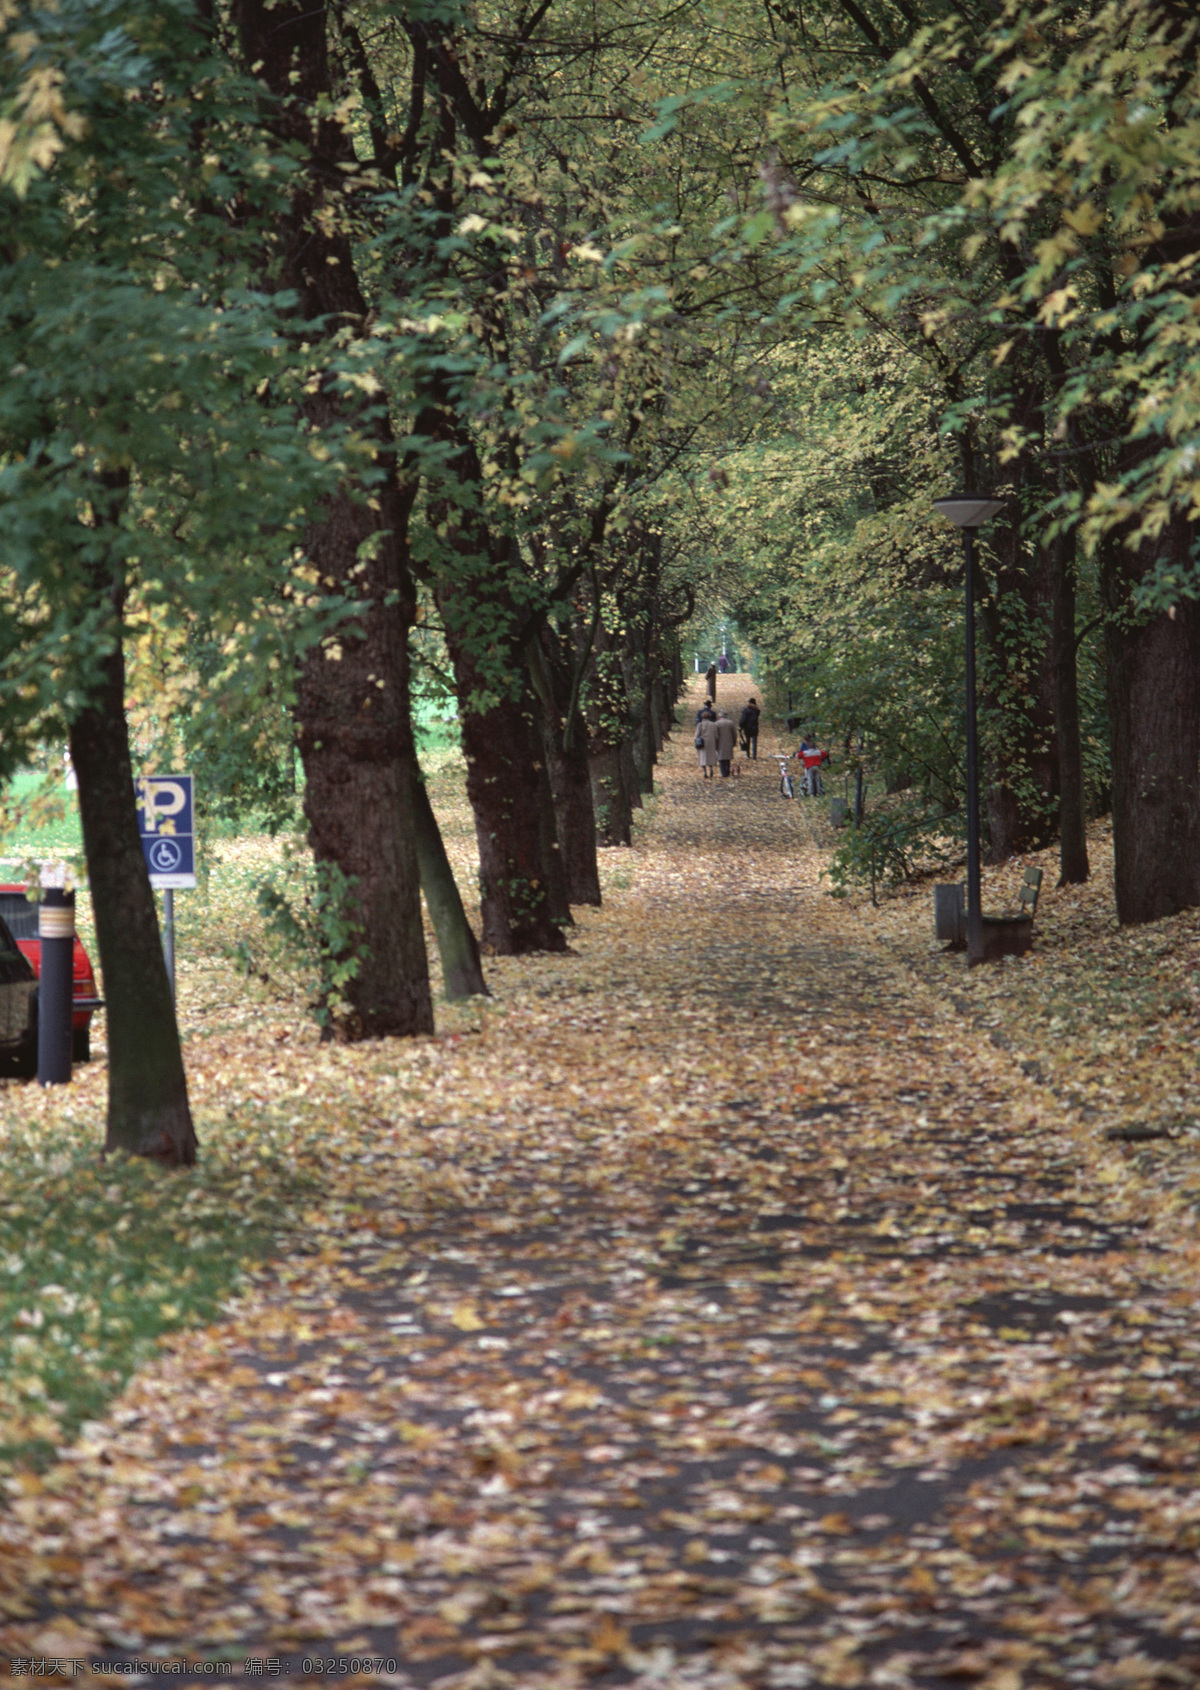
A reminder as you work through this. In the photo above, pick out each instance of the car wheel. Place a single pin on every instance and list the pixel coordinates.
(81, 1044)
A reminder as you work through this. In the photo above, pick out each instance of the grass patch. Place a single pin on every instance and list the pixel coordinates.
(57, 833)
(101, 1259)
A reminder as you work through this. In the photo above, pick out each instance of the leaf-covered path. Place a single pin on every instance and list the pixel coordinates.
(714, 1309)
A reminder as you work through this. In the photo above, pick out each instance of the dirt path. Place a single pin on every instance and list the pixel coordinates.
(720, 1312)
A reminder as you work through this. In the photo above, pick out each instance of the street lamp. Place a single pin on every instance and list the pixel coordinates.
(970, 511)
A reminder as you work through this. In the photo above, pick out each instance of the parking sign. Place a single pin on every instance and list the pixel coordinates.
(166, 824)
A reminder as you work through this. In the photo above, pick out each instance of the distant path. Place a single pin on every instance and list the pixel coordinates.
(775, 1339)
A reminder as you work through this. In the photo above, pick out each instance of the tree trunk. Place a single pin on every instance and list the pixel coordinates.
(1015, 616)
(641, 741)
(462, 970)
(1073, 853)
(1019, 698)
(608, 748)
(148, 1113)
(657, 718)
(509, 792)
(629, 775)
(355, 739)
(572, 783)
(352, 710)
(1154, 717)
(614, 817)
(677, 682)
(557, 894)
(552, 669)
(542, 689)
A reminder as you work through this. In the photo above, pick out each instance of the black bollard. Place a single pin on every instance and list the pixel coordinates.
(56, 930)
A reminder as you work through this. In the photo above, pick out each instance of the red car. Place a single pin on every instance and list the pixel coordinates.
(21, 918)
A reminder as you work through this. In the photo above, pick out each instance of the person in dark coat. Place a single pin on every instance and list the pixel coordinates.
(748, 723)
(711, 678)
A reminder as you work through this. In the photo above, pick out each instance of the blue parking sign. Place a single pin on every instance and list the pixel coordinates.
(166, 823)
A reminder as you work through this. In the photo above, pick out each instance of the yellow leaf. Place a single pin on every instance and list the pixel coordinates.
(466, 1319)
(422, 1436)
(609, 1637)
(1085, 219)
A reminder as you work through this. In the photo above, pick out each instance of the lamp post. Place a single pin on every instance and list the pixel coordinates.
(970, 511)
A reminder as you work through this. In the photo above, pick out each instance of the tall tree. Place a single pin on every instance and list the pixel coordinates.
(131, 447)
(354, 725)
(1105, 171)
(524, 367)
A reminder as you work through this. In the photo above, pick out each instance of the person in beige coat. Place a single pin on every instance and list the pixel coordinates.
(706, 747)
(725, 735)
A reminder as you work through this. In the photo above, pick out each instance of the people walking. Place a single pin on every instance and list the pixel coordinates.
(748, 722)
(711, 681)
(706, 711)
(725, 735)
(706, 745)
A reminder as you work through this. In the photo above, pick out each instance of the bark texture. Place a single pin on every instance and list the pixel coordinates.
(520, 909)
(570, 778)
(554, 664)
(1073, 853)
(642, 745)
(1153, 679)
(608, 751)
(355, 739)
(462, 970)
(1154, 717)
(557, 893)
(353, 724)
(1018, 679)
(148, 1111)
(614, 813)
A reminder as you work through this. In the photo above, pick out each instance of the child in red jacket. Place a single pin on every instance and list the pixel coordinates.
(812, 785)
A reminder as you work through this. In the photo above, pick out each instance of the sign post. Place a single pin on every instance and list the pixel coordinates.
(166, 822)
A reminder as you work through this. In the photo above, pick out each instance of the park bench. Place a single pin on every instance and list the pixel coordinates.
(1012, 935)
(1003, 935)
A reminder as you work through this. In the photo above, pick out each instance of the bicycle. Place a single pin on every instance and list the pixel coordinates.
(787, 787)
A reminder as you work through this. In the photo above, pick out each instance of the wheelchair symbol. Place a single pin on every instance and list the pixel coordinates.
(165, 856)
